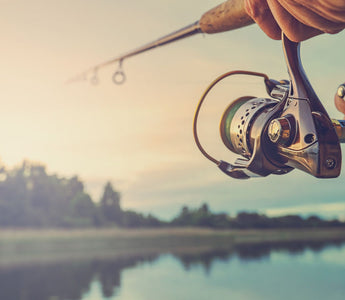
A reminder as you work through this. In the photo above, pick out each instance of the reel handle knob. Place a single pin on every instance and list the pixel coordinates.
(339, 99)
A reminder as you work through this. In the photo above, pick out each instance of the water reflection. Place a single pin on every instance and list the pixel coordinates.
(64, 280)
(73, 280)
(258, 251)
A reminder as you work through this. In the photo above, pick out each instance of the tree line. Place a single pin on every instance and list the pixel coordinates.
(30, 197)
(203, 217)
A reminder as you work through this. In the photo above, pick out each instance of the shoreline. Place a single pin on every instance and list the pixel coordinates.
(28, 246)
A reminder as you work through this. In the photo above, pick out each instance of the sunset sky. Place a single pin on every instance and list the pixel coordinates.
(139, 135)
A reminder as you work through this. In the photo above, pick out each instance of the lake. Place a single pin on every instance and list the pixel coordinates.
(250, 271)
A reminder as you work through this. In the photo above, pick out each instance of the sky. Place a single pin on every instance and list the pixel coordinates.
(139, 135)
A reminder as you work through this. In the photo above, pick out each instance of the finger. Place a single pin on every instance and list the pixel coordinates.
(292, 28)
(260, 12)
(325, 15)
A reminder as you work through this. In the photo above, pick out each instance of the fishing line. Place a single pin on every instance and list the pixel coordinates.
(202, 99)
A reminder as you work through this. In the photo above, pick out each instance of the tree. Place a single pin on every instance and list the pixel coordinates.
(202, 217)
(110, 205)
(82, 212)
(29, 197)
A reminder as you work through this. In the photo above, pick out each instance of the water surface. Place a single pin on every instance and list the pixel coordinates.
(275, 271)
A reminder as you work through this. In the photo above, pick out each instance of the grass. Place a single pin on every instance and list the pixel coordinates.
(42, 246)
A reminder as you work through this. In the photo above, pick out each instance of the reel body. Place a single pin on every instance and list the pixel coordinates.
(290, 129)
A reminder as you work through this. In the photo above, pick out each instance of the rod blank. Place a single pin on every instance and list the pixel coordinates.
(224, 17)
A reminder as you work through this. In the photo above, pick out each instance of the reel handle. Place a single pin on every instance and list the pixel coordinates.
(339, 126)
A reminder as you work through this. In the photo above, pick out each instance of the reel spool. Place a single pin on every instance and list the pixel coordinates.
(237, 122)
(278, 134)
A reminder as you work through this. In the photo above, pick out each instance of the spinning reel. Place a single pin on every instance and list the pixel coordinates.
(276, 135)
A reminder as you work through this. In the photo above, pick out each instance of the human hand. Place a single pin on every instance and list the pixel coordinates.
(298, 19)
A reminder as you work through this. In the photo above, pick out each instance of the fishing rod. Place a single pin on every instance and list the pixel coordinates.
(227, 16)
(288, 130)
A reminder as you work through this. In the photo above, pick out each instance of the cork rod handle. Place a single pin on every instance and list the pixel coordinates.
(226, 16)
